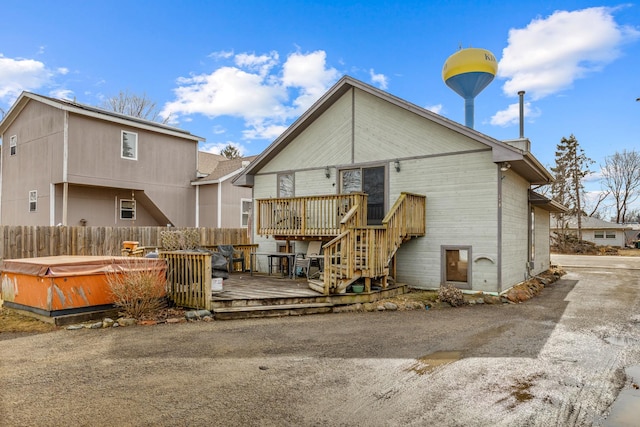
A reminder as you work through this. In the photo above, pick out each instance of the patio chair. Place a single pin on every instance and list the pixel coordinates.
(233, 256)
(303, 261)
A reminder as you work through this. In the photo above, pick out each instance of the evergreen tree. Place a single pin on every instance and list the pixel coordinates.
(230, 152)
(572, 165)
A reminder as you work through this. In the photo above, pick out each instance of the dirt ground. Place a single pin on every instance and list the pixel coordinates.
(557, 359)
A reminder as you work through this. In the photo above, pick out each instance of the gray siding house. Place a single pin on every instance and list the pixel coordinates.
(71, 164)
(484, 227)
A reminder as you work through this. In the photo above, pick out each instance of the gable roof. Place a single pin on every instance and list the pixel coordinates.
(521, 161)
(95, 112)
(207, 162)
(224, 170)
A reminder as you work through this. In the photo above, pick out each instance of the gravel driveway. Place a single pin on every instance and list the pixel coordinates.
(557, 359)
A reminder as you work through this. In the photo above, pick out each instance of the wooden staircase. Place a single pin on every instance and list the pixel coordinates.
(368, 252)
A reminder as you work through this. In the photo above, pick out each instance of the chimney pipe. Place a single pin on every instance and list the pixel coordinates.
(521, 95)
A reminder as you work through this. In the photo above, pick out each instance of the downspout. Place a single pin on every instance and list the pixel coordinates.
(1, 173)
(197, 206)
(65, 169)
(499, 242)
(219, 204)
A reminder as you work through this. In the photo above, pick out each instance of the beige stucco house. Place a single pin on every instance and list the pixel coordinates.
(475, 221)
(220, 203)
(72, 164)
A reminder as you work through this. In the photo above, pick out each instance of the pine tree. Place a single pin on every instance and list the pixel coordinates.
(572, 165)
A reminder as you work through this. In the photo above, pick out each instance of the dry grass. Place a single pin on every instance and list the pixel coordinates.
(13, 322)
(629, 252)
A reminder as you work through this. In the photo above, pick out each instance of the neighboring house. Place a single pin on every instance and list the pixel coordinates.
(221, 204)
(484, 229)
(600, 232)
(72, 164)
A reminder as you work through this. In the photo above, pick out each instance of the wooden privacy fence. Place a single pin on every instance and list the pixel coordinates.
(39, 241)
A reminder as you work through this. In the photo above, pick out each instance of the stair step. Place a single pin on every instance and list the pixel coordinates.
(227, 313)
(270, 307)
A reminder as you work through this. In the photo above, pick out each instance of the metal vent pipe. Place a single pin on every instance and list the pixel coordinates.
(521, 95)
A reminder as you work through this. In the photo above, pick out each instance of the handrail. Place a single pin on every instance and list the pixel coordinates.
(313, 216)
(367, 251)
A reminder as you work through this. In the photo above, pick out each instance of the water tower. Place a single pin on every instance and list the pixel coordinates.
(467, 72)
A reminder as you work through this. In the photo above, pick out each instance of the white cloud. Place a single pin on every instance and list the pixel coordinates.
(256, 89)
(511, 115)
(222, 54)
(62, 94)
(308, 73)
(551, 53)
(217, 147)
(438, 108)
(379, 79)
(17, 75)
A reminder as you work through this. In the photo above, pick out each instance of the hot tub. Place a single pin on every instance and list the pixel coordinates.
(61, 285)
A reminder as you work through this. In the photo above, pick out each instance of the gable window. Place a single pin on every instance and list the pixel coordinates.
(13, 142)
(127, 209)
(33, 200)
(129, 145)
(286, 187)
(245, 206)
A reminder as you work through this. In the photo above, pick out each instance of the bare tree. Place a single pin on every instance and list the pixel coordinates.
(230, 152)
(135, 105)
(621, 176)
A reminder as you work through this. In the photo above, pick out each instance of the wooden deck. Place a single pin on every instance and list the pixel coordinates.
(261, 295)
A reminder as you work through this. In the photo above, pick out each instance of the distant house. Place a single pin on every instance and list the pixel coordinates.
(66, 163)
(398, 192)
(600, 232)
(219, 203)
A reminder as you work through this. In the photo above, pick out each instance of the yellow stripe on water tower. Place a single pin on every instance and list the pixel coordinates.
(470, 60)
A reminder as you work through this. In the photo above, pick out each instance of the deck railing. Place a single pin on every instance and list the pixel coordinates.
(367, 251)
(312, 216)
(189, 278)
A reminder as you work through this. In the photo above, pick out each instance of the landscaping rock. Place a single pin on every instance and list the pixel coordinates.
(126, 321)
(107, 322)
(390, 306)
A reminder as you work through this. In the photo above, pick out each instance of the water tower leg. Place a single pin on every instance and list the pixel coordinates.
(468, 112)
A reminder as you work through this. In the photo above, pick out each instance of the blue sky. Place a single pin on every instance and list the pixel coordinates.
(241, 72)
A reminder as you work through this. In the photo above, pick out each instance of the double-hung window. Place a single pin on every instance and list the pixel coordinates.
(246, 206)
(13, 143)
(127, 209)
(33, 200)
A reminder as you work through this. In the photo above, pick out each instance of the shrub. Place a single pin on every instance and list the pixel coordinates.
(136, 289)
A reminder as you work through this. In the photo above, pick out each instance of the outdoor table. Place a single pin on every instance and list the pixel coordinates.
(290, 257)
